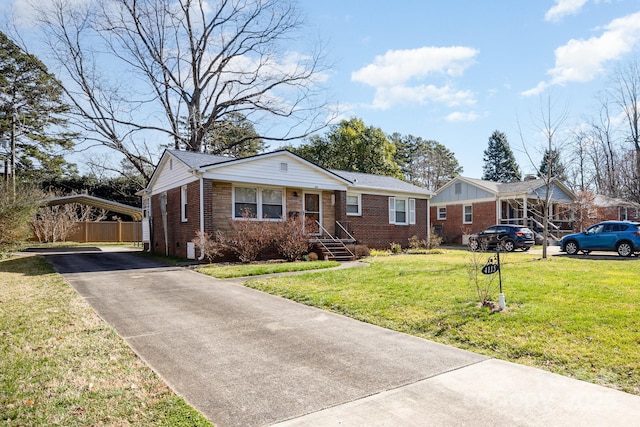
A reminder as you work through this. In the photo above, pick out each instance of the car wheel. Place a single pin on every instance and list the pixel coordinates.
(508, 246)
(473, 245)
(624, 249)
(571, 247)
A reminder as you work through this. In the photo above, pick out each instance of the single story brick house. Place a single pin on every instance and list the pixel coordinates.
(465, 206)
(609, 208)
(191, 191)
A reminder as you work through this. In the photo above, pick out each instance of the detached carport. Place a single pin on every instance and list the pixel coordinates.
(103, 231)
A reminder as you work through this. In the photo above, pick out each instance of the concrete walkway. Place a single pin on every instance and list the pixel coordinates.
(246, 358)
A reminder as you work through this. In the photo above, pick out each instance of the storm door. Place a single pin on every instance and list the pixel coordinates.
(312, 213)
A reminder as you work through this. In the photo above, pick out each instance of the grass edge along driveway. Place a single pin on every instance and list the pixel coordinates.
(60, 364)
(578, 317)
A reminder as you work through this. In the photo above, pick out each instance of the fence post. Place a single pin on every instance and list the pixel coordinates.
(119, 231)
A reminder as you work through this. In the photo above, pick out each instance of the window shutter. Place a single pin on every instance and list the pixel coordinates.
(392, 210)
(412, 211)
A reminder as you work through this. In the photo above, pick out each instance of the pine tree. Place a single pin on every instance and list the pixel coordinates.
(31, 113)
(499, 162)
(552, 158)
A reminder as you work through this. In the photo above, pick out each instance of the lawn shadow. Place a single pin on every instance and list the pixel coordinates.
(27, 265)
(602, 256)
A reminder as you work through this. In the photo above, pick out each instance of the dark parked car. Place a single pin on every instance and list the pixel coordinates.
(616, 236)
(508, 236)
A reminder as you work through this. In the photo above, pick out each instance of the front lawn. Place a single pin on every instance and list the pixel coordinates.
(258, 269)
(578, 317)
(60, 364)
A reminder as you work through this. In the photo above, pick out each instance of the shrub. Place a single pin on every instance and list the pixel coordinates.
(289, 238)
(209, 247)
(362, 251)
(434, 239)
(16, 212)
(416, 243)
(247, 238)
(395, 248)
(312, 256)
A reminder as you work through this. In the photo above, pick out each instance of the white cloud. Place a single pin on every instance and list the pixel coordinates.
(582, 60)
(398, 75)
(563, 8)
(459, 116)
(386, 97)
(399, 66)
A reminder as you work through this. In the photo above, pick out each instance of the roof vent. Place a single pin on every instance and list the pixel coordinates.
(284, 167)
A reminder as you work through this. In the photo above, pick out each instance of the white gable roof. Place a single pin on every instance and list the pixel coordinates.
(279, 168)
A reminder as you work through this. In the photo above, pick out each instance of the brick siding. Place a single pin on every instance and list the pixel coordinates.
(484, 215)
(372, 228)
(178, 233)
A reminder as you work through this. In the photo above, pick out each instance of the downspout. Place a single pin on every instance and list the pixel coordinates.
(150, 222)
(163, 209)
(429, 220)
(202, 254)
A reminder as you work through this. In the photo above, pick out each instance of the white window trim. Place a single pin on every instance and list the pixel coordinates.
(183, 203)
(410, 206)
(359, 196)
(259, 215)
(464, 214)
(442, 215)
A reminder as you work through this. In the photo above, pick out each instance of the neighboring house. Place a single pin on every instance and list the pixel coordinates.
(465, 206)
(191, 191)
(609, 208)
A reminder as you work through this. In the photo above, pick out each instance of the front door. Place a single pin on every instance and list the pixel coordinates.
(312, 212)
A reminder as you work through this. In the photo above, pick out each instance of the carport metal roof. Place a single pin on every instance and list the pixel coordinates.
(85, 199)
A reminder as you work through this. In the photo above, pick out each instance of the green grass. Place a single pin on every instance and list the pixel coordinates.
(61, 365)
(578, 317)
(244, 270)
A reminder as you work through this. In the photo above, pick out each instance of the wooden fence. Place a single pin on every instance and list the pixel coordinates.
(107, 231)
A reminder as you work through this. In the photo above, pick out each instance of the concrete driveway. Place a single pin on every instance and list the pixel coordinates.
(245, 358)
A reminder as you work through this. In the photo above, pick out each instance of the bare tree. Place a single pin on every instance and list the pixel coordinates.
(627, 95)
(549, 122)
(137, 70)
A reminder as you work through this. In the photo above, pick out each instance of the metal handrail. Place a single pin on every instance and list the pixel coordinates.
(324, 230)
(345, 230)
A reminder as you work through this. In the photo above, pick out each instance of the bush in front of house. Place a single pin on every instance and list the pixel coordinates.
(248, 239)
(289, 238)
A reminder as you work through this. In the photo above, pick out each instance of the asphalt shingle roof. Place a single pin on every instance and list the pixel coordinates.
(195, 160)
(366, 180)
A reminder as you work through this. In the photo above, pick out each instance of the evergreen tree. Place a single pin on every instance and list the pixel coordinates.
(499, 162)
(552, 158)
(31, 114)
(425, 162)
(352, 146)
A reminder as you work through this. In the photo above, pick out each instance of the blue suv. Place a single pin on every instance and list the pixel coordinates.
(615, 236)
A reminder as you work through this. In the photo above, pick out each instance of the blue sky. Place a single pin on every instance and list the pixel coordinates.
(455, 71)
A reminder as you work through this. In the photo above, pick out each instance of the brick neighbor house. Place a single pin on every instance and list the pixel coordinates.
(191, 191)
(465, 206)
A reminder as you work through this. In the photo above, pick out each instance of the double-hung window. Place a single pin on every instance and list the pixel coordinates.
(442, 213)
(468, 214)
(255, 202)
(354, 204)
(402, 211)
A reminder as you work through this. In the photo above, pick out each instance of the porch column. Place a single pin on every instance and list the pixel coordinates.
(499, 211)
(525, 214)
